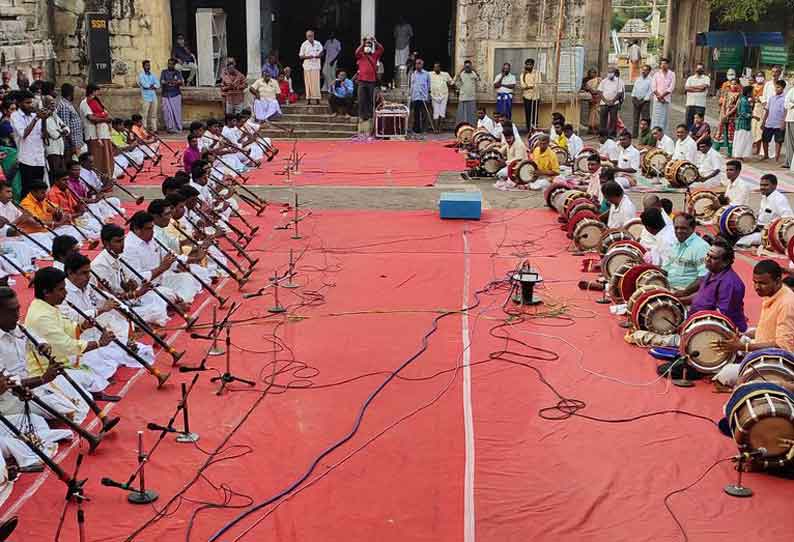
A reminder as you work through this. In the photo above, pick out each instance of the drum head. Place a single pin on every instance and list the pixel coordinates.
(485, 141)
(562, 155)
(687, 174)
(635, 228)
(492, 161)
(574, 220)
(616, 281)
(527, 171)
(767, 432)
(611, 237)
(653, 277)
(553, 190)
(587, 234)
(660, 313)
(580, 162)
(617, 257)
(657, 162)
(704, 205)
(696, 345)
(744, 223)
(629, 283)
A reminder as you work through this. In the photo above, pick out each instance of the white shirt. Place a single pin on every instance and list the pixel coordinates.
(661, 245)
(769, 91)
(487, 123)
(685, 149)
(10, 213)
(311, 49)
(232, 134)
(697, 99)
(666, 144)
(91, 179)
(629, 158)
(508, 79)
(111, 271)
(143, 256)
(709, 162)
(625, 211)
(594, 186)
(205, 194)
(54, 126)
(91, 130)
(609, 149)
(499, 132)
(31, 148)
(610, 89)
(773, 206)
(13, 352)
(737, 192)
(575, 145)
(332, 49)
(789, 105)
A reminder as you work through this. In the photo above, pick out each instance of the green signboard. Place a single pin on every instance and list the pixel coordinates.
(774, 54)
(724, 58)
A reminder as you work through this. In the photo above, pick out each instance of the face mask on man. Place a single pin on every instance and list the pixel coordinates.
(759, 79)
(699, 71)
(611, 76)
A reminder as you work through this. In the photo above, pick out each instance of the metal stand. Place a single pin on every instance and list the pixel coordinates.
(215, 350)
(186, 436)
(291, 273)
(603, 300)
(625, 324)
(737, 489)
(296, 235)
(142, 495)
(227, 377)
(277, 308)
(684, 381)
(526, 278)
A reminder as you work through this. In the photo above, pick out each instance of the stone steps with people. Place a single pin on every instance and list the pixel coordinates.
(313, 122)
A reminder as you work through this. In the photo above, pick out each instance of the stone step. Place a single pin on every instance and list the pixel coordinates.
(294, 118)
(320, 126)
(301, 109)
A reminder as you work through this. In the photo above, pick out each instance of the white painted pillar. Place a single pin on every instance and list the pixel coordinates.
(253, 32)
(367, 18)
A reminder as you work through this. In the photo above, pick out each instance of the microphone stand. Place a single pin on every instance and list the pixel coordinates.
(296, 235)
(215, 350)
(290, 273)
(227, 377)
(74, 494)
(142, 495)
(277, 308)
(737, 489)
(186, 436)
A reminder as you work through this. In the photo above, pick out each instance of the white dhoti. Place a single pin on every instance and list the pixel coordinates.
(10, 446)
(401, 56)
(179, 286)
(440, 107)
(151, 308)
(150, 150)
(264, 109)
(6, 485)
(752, 240)
(21, 253)
(104, 208)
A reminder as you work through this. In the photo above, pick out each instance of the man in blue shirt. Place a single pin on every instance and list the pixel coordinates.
(420, 94)
(341, 98)
(685, 262)
(149, 84)
(641, 98)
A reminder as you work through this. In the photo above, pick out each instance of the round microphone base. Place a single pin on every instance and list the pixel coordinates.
(735, 490)
(682, 383)
(290, 285)
(145, 497)
(296, 237)
(277, 309)
(603, 301)
(216, 351)
(187, 438)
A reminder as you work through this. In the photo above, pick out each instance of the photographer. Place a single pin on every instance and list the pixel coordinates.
(367, 56)
(341, 96)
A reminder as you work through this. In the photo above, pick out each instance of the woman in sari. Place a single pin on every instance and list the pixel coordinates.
(8, 149)
(729, 102)
(590, 86)
(743, 137)
(758, 111)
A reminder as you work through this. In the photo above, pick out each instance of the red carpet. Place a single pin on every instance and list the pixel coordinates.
(367, 301)
(343, 163)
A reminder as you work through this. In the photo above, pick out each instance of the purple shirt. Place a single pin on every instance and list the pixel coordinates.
(723, 292)
(777, 111)
(78, 187)
(189, 156)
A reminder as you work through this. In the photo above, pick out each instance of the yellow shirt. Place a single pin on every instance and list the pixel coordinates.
(546, 161)
(46, 322)
(267, 91)
(530, 83)
(776, 322)
(562, 141)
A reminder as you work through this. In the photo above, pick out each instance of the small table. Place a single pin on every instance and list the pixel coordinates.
(391, 120)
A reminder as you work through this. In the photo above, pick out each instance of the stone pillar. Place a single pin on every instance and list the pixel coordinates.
(367, 18)
(253, 33)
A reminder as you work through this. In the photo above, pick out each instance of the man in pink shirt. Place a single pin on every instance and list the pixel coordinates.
(662, 86)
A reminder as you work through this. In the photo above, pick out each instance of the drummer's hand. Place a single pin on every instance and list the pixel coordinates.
(730, 345)
(727, 375)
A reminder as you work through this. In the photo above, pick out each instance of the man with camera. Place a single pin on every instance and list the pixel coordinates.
(367, 56)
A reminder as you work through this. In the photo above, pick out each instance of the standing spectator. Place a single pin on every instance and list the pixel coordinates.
(635, 57)
(28, 124)
(172, 82)
(420, 94)
(758, 111)
(731, 91)
(8, 149)
(265, 91)
(662, 86)
(439, 91)
(341, 96)
(611, 90)
(769, 91)
(641, 98)
(233, 85)
(333, 47)
(367, 56)
(789, 103)
(743, 136)
(466, 82)
(57, 133)
(504, 83)
(403, 32)
(68, 114)
(149, 84)
(697, 89)
(775, 119)
(590, 86)
(530, 87)
(310, 52)
(271, 67)
(185, 60)
(96, 128)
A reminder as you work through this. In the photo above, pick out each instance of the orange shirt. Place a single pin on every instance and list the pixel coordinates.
(776, 322)
(39, 209)
(140, 131)
(63, 199)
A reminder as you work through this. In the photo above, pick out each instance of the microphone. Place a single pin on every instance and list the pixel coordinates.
(204, 337)
(154, 427)
(184, 369)
(254, 294)
(752, 454)
(112, 483)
